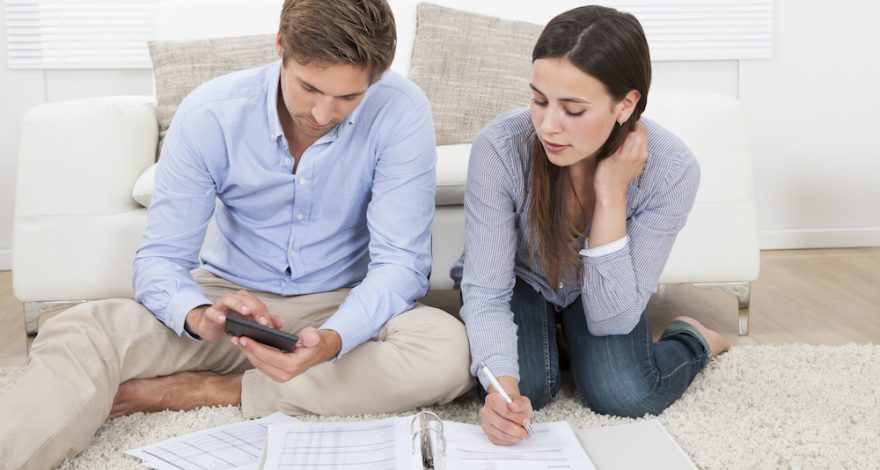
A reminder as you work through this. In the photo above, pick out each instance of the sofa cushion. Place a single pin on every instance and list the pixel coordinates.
(452, 162)
(180, 66)
(472, 67)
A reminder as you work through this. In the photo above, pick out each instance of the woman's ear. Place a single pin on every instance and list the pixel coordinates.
(627, 106)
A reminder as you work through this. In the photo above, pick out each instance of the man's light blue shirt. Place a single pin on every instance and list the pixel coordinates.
(356, 213)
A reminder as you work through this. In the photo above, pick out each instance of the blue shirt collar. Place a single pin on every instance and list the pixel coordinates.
(276, 131)
(272, 87)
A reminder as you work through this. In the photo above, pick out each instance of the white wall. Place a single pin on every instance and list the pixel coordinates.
(21, 89)
(813, 121)
(811, 113)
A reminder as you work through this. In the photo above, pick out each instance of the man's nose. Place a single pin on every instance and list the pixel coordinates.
(322, 111)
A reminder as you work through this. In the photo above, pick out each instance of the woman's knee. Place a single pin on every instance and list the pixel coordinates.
(538, 386)
(627, 398)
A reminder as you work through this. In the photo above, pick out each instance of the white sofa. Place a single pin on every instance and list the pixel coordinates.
(77, 223)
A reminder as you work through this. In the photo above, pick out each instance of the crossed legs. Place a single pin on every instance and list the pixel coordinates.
(81, 356)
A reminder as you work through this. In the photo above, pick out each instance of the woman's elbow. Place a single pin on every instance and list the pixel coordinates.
(620, 324)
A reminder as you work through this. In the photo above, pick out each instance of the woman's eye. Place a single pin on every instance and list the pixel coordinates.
(539, 102)
(575, 114)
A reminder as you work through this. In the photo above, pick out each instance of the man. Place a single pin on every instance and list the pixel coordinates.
(323, 165)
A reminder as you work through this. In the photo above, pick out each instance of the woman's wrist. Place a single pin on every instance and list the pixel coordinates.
(610, 197)
(511, 386)
(609, 220)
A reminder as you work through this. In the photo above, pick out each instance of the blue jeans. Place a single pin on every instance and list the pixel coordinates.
(622, 375)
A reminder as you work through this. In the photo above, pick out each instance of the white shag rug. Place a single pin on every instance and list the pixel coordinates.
(789, 406)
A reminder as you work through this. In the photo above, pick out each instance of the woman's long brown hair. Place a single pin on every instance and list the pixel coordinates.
(610, 46)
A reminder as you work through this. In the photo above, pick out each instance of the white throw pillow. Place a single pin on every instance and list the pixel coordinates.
(143, 187)
(452, 163)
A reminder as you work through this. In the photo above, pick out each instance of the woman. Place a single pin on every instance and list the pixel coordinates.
(572, 207)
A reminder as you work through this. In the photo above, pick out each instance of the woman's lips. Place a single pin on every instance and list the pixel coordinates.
(553, 147)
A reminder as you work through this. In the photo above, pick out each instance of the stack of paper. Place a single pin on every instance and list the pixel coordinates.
(388, 443)
(279, 441)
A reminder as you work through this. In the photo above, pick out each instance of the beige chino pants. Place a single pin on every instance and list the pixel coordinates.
(82, 355)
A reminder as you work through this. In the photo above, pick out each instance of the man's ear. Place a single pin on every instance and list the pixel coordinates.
(627, 106)
(279, 48)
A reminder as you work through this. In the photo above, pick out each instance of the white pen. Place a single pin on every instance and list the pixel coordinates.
(495, 383)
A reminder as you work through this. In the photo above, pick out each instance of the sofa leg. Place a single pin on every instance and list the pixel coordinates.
(743, 293)
(33, 311)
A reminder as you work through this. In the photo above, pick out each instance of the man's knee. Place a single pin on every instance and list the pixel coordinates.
(96, 329)
(437, 342)
(124, 313)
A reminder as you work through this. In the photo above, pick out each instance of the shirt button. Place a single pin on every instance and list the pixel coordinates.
(561, 285)
(302, 181)
(292, 252)
(299, 216)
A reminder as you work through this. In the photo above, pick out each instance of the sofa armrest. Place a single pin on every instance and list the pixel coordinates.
(82, 157)
(76, 226)
(719, 243)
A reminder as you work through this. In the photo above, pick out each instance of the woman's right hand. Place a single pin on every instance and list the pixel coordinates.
(503, 423)
(614, 173)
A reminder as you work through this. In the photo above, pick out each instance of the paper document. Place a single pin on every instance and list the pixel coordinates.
(367, 445)
(554, 445)
(390, 443)
(236, 445)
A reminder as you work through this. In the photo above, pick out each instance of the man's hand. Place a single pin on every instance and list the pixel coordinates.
(208, 322)
(314, 347)
(503, 423)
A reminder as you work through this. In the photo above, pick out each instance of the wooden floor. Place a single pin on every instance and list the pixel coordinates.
(802, 296)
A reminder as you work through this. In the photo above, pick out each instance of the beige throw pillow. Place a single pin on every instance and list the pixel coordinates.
(181, 66)
(472, 67)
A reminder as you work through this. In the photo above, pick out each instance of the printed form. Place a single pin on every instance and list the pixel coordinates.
(388, 444)
(236, 445)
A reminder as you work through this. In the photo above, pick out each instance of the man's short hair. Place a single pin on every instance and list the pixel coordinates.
(355, 32)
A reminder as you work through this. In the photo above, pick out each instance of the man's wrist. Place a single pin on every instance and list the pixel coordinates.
(194, 317)
(332, 343)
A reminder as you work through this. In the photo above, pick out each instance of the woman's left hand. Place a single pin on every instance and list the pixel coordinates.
(614, 173)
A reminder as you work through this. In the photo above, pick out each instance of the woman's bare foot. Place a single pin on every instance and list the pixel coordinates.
(717, 343)
(183, 391)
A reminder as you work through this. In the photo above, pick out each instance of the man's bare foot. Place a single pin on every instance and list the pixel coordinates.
(183, 391)
(717, 343)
